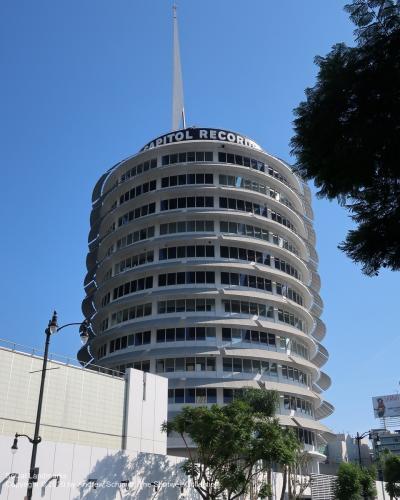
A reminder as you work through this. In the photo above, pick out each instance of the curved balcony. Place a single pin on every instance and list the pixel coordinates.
(320, 329)
(324, 410)
(324, 381)
(321, 356)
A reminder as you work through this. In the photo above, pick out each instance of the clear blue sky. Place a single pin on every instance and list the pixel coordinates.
(87, 83)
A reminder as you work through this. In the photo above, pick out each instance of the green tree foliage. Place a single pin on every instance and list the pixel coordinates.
(391, 474)
(354, 482)
(265, 491)
(347, 133)
(229, 445)
(367, 481)
(348, 486)
(263, 403)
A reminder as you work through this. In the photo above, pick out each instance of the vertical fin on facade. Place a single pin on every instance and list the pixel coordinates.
(178, 109)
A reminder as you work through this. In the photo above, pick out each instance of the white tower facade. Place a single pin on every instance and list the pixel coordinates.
(202, 268)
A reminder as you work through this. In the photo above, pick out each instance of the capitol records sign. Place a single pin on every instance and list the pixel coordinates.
(202, 134)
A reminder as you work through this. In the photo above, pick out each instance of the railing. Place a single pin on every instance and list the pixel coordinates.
(57, 358)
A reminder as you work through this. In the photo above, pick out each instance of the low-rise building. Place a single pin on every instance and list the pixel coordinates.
(99, 430)
(343, 448)
(384, 439)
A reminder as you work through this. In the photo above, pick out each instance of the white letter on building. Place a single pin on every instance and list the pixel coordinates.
(221, 135)
(203, 134)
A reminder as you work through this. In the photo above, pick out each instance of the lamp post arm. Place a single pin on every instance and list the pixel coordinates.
(358, 439)
(68, 324)
(28, 438)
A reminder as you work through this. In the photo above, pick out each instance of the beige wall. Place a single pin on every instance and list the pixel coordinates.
(82, 406)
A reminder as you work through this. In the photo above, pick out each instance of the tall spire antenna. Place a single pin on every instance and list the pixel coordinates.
(178, 108)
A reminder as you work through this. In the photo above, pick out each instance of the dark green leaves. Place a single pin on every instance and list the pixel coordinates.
(347, 134)
(373, 18)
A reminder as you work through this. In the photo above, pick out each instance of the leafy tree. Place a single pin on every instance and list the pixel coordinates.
(355, 482)
(283, 447)
(391, 474)
(367, 481)
(347, 133)
(222, 437)
(348, 486)
(228, 446)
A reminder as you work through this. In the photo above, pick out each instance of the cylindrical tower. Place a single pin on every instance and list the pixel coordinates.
(202, 269)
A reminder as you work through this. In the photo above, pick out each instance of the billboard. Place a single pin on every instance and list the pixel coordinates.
(386, 406)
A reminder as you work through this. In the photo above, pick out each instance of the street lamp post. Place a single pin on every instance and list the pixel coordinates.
(377, 443)
(51, 328)
(358, 438)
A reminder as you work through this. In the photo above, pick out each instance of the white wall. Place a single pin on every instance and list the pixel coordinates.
(82, 406)
(76, 464)
(146, 410)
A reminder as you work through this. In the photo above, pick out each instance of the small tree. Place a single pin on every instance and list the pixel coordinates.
(367, 481)
(348, 486)
(284, 447)
(391, 474)
(229, 446)
(220, 453)
(354, 482)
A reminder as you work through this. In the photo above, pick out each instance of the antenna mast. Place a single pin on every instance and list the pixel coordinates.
(178, 108)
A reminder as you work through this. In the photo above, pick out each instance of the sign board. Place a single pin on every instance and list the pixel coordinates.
(202, 134)
(386, 406)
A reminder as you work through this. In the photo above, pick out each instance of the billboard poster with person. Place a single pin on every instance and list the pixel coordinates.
(386, 406)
